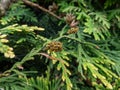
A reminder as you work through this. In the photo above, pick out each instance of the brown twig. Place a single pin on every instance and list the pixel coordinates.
(41, 8)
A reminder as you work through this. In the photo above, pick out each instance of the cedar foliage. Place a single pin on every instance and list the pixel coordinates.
(78, 52)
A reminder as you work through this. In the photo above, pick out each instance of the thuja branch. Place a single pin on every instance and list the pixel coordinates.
(28, 57)
(27, 2)
(72, 38)
(75, 39)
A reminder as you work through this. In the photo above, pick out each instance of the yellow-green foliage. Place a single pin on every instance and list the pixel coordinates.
(80, 51)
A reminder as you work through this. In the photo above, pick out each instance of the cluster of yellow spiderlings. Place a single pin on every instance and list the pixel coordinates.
(72, 30)
(55, 46)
